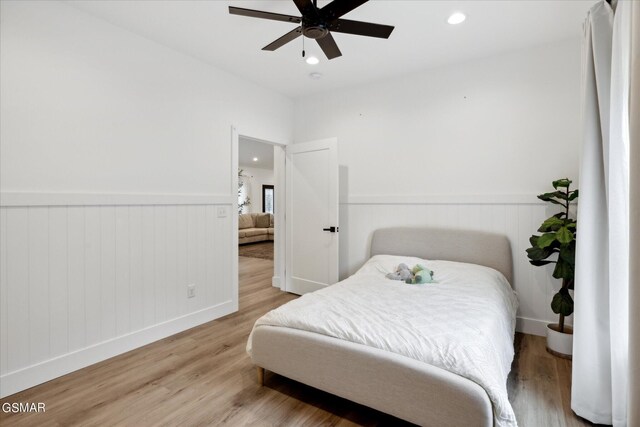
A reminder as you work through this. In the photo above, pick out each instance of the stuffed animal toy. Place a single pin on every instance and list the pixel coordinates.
(402, 273)
(419, 275)
(415, 276)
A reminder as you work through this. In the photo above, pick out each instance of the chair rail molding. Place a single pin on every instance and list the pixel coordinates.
(441, 199)
(14, 199)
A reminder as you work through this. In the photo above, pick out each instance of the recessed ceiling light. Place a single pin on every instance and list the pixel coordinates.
(312, 60)
(456, 18)
(255, 159)
(315, 76)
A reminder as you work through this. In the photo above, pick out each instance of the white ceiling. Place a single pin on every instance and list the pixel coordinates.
(248, 149)
(422, 38)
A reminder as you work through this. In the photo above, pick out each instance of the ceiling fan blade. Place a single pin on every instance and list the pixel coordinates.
(361, 28)
(337, 8)
(264, 15)
(291, 35)
(306, 8)
(329, 46)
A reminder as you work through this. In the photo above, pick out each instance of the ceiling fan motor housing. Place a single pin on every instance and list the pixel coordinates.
(315, 31)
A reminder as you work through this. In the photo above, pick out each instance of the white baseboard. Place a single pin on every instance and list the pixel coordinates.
(275, 282)
(537, 327)
(532, 326)
(39, 373)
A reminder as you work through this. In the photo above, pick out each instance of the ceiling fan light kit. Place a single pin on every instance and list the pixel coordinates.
(312, 60)
(456, 18)
(318, 24)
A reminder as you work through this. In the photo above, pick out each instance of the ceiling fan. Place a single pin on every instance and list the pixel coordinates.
(318, 24)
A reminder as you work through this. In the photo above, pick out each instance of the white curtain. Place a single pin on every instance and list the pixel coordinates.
(634, 214)
(601, 321)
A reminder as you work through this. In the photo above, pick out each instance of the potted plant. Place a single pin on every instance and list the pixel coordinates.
(557, 245)
(242, 201)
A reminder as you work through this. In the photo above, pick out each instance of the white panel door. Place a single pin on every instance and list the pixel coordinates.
(311, 216)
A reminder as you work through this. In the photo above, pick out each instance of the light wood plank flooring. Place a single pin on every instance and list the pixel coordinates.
(204, 377)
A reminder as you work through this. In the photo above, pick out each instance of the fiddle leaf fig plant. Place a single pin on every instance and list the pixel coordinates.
(557, 245)
(242, 201)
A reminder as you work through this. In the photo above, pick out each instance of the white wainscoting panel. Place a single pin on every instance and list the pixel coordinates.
(515, 217)
(83, 282)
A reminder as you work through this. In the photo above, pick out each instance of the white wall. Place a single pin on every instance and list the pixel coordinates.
(481, 127)
(115, 166)
(463, 146)
(259, 177)
(89, 107)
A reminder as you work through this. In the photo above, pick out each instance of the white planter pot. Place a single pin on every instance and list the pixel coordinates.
(560, 343)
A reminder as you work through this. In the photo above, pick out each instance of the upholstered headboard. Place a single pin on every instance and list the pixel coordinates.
(476, 247)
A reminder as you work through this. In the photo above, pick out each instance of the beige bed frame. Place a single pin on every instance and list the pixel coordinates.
(391, 383)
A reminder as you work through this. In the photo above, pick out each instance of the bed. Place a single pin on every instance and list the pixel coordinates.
(396, 353)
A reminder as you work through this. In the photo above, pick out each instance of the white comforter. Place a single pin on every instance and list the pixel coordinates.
(464, 323)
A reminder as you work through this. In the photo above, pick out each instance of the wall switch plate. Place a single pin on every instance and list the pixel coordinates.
(191, 291)
(222, 212)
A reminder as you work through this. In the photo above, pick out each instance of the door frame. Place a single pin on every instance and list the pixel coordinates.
(279, 170)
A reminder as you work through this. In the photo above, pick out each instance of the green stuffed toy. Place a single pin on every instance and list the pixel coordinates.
(420, 274)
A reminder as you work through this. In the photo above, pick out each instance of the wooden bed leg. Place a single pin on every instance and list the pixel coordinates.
(260, 375)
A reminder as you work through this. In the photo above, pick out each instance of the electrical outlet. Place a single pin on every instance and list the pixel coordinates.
(191, 291)
(222, 212)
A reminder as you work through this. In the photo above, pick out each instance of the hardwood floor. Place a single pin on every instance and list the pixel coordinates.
(203, 376)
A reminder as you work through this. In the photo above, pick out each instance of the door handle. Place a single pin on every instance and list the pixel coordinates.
(331, 229)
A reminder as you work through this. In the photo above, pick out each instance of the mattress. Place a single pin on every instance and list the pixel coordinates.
(464, 323)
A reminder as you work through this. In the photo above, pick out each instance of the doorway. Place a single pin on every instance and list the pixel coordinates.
(256, 224)
(258, 169)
